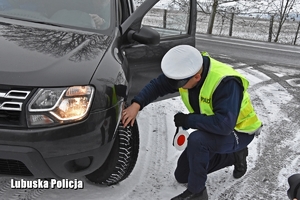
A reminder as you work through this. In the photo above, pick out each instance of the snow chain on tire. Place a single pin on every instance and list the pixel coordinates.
(121, 159)
(123, 168)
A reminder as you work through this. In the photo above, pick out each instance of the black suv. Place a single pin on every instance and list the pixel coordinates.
(66, 71)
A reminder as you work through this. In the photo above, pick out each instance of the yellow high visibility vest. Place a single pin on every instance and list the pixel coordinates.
(247, 121)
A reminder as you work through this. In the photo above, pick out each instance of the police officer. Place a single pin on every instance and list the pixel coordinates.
(219, 108)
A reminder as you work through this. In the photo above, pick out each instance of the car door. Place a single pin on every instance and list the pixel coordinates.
(175, 21)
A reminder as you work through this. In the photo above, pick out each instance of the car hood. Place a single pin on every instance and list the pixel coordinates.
(35, 56)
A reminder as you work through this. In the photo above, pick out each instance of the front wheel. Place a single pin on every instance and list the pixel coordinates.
(122, 158)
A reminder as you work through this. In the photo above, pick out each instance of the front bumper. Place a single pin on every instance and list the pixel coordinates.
(67, 151)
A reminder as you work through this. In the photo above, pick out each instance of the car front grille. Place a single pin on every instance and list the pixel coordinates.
(12, 106)
(13, 167)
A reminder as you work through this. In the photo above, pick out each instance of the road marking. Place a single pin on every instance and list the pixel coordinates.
(253, 76)
(248, 45)
(294, 82)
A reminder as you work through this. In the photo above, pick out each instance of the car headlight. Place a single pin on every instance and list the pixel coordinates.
(52, 106)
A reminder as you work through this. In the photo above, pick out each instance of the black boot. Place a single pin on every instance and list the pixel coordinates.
(187, 195)
(240, 166)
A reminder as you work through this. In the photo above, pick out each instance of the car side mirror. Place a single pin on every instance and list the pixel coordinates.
(145, 35)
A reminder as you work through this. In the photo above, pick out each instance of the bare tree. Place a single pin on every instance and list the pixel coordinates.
(282, 9)
(212, 16)
(249, 13)
(207, 7)
(214, 5)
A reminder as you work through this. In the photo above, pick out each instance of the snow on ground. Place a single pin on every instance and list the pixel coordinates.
(273, 156)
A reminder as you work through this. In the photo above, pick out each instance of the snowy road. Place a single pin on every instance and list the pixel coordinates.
(273, 156)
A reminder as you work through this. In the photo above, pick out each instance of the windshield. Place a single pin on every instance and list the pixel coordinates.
(94, 14)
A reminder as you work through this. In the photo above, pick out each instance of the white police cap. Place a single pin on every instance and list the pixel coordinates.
(182, 61)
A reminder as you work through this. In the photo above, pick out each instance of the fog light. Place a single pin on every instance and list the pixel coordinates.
(78, 164)
(82, 163)
(40, 120)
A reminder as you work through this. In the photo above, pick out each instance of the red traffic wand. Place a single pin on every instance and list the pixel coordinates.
(180, 139)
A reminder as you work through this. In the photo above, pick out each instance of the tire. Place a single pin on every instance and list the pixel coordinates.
(122, 158)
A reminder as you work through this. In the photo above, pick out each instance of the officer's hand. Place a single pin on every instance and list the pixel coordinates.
(180, 120)
(129, 114)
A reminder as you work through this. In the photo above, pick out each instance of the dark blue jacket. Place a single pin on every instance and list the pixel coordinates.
(226, 101)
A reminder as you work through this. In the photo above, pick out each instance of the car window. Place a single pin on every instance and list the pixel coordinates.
(169, 18)
(94, 14)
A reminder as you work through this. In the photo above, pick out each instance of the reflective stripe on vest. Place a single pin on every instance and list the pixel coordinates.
(247, 121)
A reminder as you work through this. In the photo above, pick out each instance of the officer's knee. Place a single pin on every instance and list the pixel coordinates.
(195, 138)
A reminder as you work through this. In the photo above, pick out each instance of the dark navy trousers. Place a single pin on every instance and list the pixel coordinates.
(206, 153)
